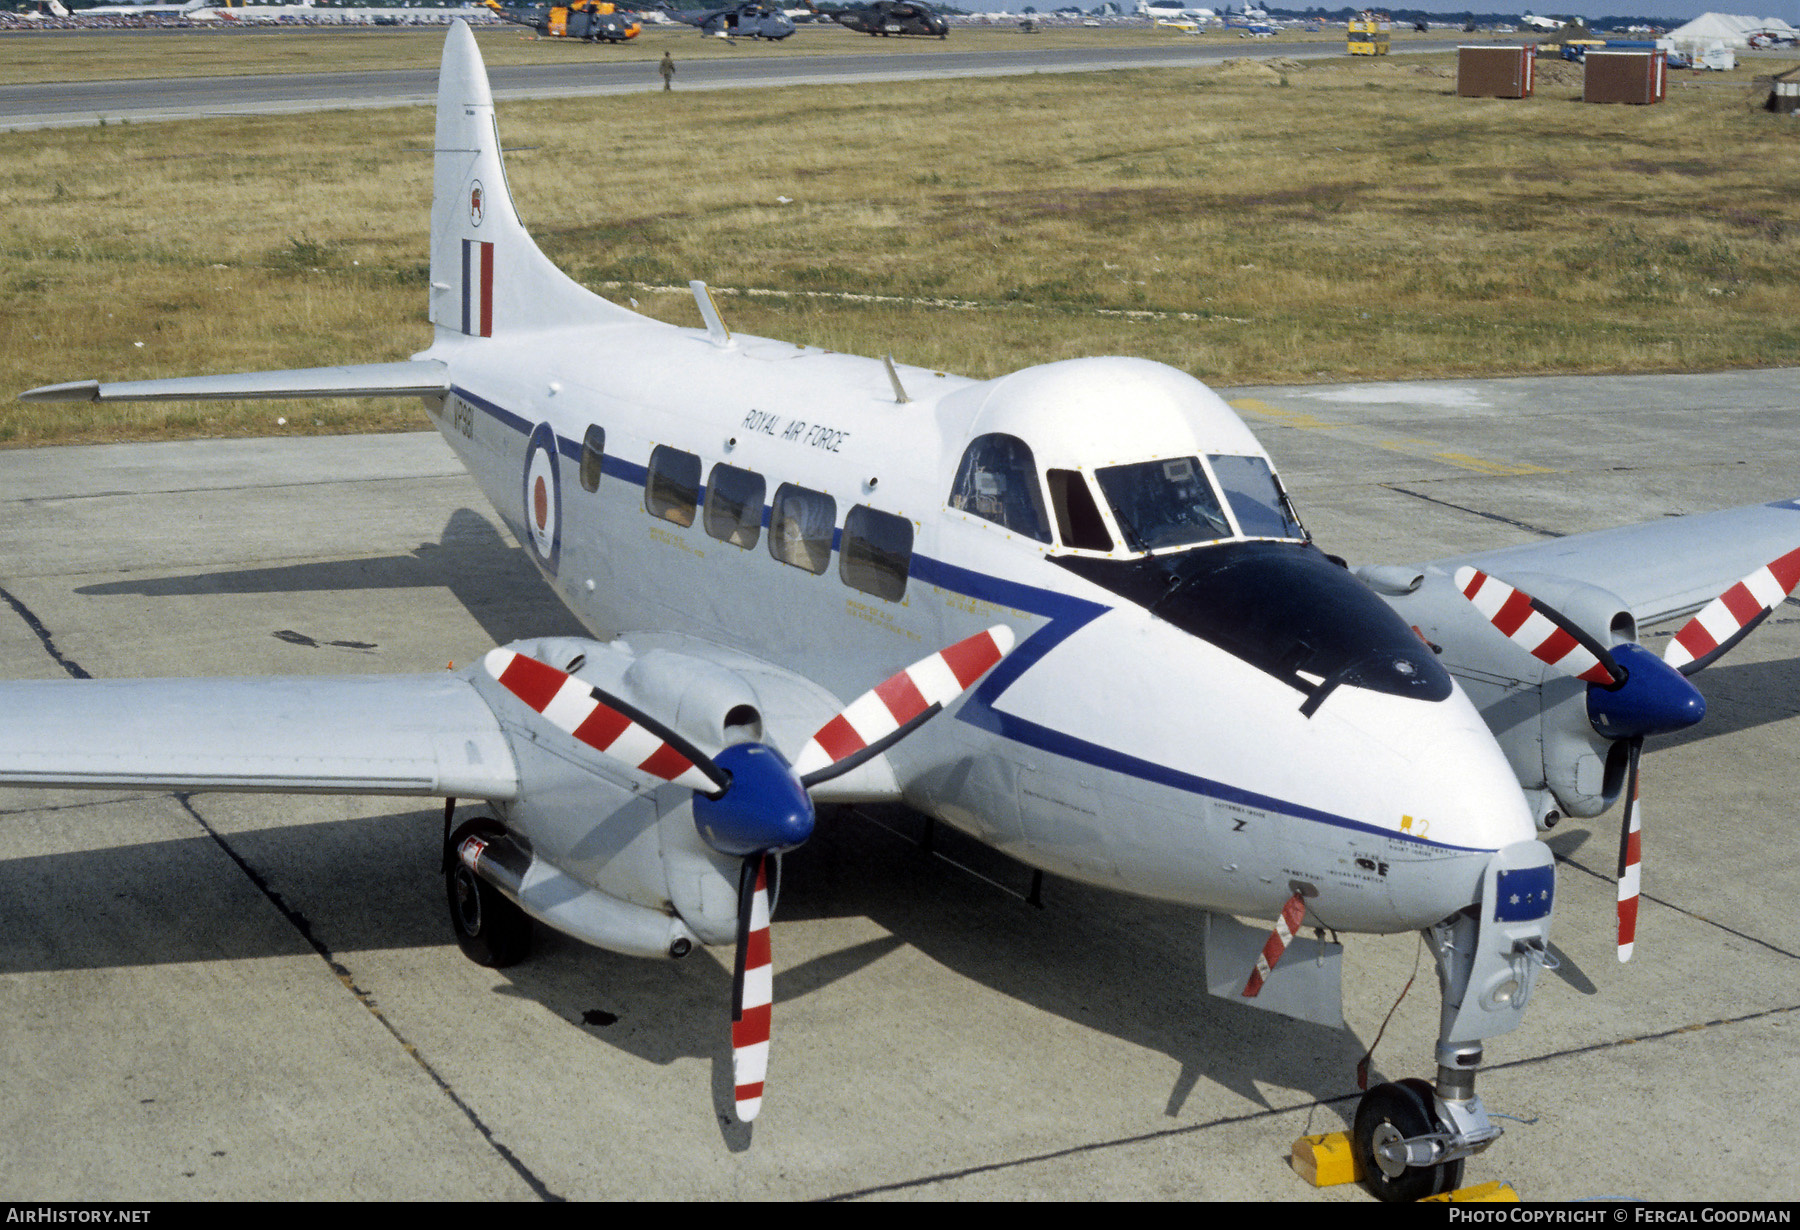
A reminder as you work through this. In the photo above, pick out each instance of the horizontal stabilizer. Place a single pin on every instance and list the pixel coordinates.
(419, 378)
(429, 735)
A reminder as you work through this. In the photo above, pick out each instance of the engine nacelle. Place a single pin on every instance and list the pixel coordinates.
(603, 831)
(1538, 715)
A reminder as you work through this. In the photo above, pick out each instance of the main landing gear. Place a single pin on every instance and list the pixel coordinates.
(1410, 1138)
(490, 929)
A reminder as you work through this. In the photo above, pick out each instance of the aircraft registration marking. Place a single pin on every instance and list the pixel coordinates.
(462, 417)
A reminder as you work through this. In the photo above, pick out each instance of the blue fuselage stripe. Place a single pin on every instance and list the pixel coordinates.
(1066, 615)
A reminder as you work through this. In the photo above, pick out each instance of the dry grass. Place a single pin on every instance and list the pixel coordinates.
(1359, 223)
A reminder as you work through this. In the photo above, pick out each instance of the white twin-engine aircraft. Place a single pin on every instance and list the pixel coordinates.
(1154, 680)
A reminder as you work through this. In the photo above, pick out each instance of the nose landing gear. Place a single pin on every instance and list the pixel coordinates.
(1394, 1124)
(1410, 1138)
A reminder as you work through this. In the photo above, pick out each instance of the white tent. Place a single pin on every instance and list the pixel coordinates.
(1732, 30)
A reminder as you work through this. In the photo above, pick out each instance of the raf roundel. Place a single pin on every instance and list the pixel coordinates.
(542, 497)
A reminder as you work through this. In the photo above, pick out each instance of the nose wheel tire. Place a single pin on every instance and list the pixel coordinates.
(490, 929)
(1389, 1115)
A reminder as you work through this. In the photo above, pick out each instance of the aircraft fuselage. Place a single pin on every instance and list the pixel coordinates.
(1116, 746)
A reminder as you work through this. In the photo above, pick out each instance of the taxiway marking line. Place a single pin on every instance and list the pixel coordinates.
(1428, 450)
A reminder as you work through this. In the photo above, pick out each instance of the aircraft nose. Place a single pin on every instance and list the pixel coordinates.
(1445, 796)
(1444, 780)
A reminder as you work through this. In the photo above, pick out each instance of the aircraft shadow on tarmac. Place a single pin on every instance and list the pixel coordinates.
(1126, 968)
(1741, 696)
(487, 574)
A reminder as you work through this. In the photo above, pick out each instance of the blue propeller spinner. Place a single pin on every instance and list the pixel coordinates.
(1632, 694)
(749, 802)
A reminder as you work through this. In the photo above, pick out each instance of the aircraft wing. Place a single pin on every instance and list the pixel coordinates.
(426, 735)
(417, 378)
(1662, 569)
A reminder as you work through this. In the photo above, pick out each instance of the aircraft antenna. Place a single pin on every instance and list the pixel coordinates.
(900, 396)
(709, 312)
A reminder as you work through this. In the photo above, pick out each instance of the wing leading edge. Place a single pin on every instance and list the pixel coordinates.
(1662, 569)
(389, 735)
(417, 378)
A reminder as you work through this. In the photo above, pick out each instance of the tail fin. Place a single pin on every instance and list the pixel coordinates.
(487, 276)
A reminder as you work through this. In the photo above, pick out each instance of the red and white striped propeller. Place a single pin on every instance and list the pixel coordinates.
(1733, 615)
(1557, 641)
(1539, 629)
(604, 722)
(749, 803)
(1703, 640)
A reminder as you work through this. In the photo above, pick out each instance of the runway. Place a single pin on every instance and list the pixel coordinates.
(259, 998)
(58, 105)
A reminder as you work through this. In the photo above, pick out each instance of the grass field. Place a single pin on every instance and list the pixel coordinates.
(1346, 220)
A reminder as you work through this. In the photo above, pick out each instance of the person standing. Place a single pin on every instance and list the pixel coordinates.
(667, 69)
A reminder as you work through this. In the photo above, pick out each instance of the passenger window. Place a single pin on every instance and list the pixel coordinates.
(734, 503)
(672, 487)
(593, 453)
(1077, 516)
(877, 552)
(997, 481)
(800, 523)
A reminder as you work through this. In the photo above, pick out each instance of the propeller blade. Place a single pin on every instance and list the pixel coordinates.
(886, 713)
(605, 723)
(752, 988)
(1285, 926)
(1733, 615)
(1629, 854)
(1537, 628)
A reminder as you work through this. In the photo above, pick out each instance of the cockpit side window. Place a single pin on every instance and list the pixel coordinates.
(997, 481)
(1078, 518)
(1168, 503)
(1261, 506)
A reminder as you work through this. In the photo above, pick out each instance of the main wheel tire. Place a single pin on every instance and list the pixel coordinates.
(490, 929)
(1396, 1112)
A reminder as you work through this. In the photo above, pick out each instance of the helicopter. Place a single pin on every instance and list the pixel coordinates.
(594, 21)
(892, 17)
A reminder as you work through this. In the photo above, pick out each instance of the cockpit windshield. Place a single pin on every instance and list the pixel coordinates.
(1257, 500)
(1165, 503)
